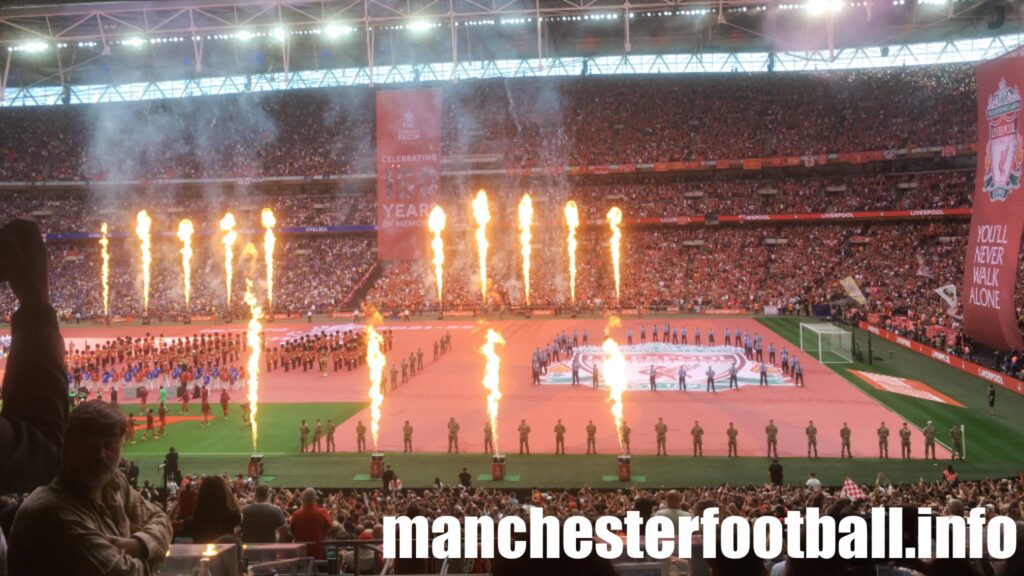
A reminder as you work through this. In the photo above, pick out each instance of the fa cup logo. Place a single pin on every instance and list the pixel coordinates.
(408, 130)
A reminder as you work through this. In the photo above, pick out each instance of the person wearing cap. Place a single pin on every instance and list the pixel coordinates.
(905, 442)
(929, 440)
(883, 441)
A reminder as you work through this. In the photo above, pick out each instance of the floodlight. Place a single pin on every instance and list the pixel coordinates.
(334, 30)
(34, 46)
(819, 7)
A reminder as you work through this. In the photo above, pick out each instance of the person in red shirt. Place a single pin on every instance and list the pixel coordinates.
(224, 400)
(184, 399)
(205, 396)
(163, 417)
(310, 524)
(187, 497)
(149, 426)
(130, 435)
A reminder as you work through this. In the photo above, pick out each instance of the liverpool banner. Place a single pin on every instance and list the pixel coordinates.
(408, 169)
(990, 266)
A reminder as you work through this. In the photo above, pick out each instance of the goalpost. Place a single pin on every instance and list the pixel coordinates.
(827, 343)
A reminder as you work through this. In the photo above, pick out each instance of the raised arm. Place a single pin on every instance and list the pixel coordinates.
(35, 388)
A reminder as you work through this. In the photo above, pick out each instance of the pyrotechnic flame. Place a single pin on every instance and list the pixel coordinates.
(482, 215)
(253, 337)
(491, 380)
(614, 220)
(185, 230)
(572, 220)
(248, 258)
(143, 224)
(227, 225)
(269, 240)
(105, 272)
(375, 361)
(613, 322)
(436, 223)
(615, 375)
(525, 222)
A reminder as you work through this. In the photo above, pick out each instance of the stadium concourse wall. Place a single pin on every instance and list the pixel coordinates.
(1004, 380)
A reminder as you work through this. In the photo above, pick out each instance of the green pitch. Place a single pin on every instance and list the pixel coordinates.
(995, 444)
(278, 430)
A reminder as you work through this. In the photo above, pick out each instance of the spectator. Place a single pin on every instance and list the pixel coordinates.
(950, 475)
(216, 512)
(261, 519)
(172, 471)
(813, 483)
(89, 520)
(465, 479)
(366, 555)
(672, 509)
(310, 524)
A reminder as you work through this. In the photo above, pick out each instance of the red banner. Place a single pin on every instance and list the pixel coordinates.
(990, 268)
(408, 170)
(978, 370)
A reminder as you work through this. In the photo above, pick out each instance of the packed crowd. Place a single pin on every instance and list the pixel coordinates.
(226, 509)
(700, 267)
(60, 212)
(778, 196)
(70, 212)
(318, 273)
(610, 121)
(287, 134)
(526, 122)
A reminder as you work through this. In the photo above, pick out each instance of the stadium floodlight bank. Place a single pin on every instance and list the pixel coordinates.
(827, 343)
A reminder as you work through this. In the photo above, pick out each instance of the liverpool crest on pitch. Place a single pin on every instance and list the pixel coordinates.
(666, 360)
(1004, 153)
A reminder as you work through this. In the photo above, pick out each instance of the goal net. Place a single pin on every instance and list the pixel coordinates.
(827, 343)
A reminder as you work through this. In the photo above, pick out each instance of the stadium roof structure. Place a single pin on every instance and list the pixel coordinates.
(44, 46)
